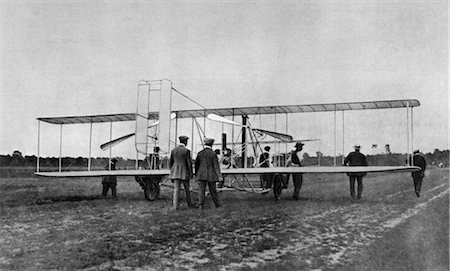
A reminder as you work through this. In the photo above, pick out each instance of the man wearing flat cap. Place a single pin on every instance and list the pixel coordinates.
(180, 164)
(207, 172)
(418, 161)
(356, 159)
(294, 160)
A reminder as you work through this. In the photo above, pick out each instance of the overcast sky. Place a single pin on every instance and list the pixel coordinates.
(61, 58)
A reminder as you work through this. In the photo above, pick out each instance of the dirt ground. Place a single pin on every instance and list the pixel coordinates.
(63, 224)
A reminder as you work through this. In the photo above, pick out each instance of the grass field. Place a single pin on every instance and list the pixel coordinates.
(63, 224)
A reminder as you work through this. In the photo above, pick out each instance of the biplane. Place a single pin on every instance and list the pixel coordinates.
(156, 125)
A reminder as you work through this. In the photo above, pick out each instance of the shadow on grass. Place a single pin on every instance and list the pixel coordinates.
(50, 200)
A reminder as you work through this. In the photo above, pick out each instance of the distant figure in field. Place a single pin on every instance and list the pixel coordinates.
(180, 164)
(419, 161)
(110, 181)
(356, 159)
(207, 172)
(294, 161)
(264, 161)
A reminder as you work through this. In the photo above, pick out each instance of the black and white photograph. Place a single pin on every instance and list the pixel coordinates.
(224, 135)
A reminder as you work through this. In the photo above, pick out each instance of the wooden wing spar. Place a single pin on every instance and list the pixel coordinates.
(231, 171)
(235, 111)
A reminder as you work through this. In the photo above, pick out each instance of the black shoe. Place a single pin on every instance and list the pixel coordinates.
(295, 197)
(418, 194)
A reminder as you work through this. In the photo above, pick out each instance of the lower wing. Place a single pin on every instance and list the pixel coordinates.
(230, 171)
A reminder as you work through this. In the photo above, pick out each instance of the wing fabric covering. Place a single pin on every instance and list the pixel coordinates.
(243, 171)
(116, 141)
(280, 136)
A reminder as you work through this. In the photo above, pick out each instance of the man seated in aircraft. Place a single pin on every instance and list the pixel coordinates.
(356, 159)
(180, 164)
(419, 161)
(207, 172)
(222, 164)
(153, 161)
(294, 161)
(227, 160)
(264, 161)
(110, 181)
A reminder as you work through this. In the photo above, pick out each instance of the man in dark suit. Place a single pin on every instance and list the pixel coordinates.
(419, 161)
(110, 181)
(207, 172)
(356, 159)
(180, 164)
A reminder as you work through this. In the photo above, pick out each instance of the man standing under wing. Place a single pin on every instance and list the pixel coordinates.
(356, 159)
(110, 181)
(294, 161)
(207, 172)
(180, 164)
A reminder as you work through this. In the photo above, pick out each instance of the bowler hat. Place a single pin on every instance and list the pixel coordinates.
(267, 148)
(156, 149)
(208, 141)
(357, 146)
(114, 160)
(183, 138)
(416, 151)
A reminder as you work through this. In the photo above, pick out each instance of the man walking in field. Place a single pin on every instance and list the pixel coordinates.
(418, 161)
(207, 172)
(356, 159)
(180, 164)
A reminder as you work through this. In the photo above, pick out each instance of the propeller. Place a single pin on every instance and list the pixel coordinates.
(280, 136)
(116, 141)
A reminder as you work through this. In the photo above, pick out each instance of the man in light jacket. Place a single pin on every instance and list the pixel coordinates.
(180, 164)
(207, 172)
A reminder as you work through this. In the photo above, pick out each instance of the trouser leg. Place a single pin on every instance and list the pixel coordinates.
(298, 181)
(213, 192)
(186, 185)
(419, 184)
(360, 186)
(113, 191)
(269, 180)
(352, 186)
(176, 194)
(277, 185)
(201, 195)
(104, 190)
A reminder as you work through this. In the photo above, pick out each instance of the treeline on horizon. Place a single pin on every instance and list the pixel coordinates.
(438, 158)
